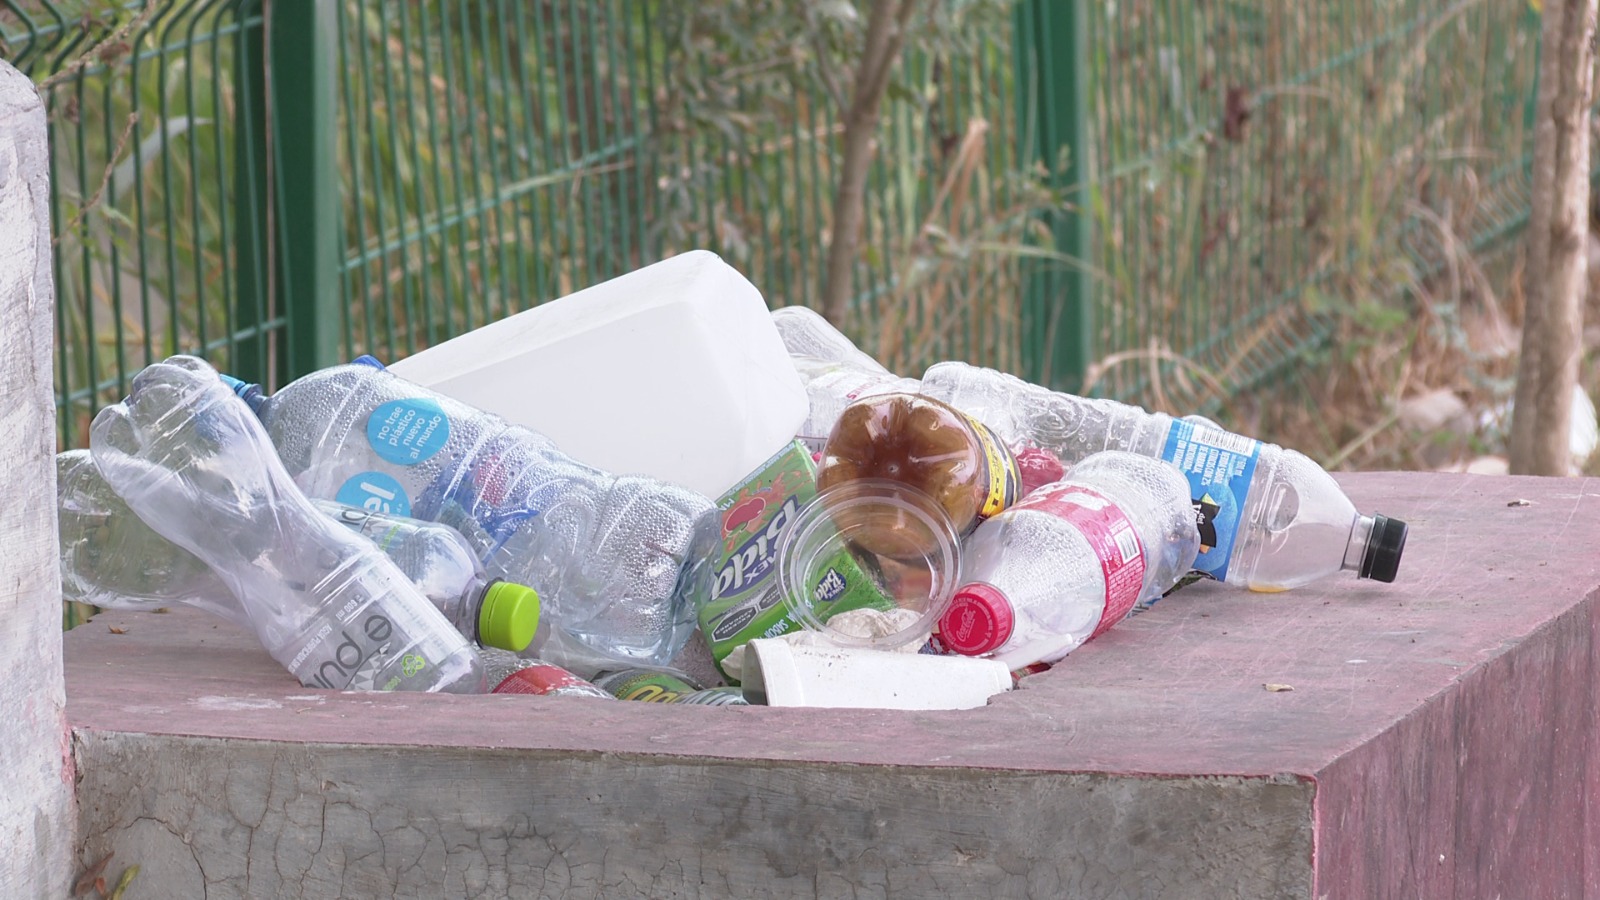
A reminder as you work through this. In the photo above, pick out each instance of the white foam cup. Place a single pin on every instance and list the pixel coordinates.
(782, 673)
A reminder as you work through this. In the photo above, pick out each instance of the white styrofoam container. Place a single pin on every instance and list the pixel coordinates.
(674, 370)
(787, 673)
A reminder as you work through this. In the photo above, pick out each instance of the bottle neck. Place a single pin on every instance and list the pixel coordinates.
(249, 393)
(1356, 550)
(471, 608)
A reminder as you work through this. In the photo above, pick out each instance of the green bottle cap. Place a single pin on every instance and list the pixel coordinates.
(509, 616)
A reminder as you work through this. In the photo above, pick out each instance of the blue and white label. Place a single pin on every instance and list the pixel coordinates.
(1220, 467)
(406, 432)
(830, 588)
(375, 492)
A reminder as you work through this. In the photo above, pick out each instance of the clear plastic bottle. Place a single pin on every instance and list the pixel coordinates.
(806, 332)
(192, 462)
(613, 557)
(1270, 519)
(835, 372)
(1071, 560)
(491, 611)
(111, 559)
(513, 674)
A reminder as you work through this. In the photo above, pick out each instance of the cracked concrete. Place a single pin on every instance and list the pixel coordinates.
(219, 818)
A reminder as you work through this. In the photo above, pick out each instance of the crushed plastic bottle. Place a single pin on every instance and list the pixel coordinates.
(805, 332)
(1071, 560)
(1270, 519)
(837, 374)
(192, 462)
(613, 557)
(111, 559)
(834, 371)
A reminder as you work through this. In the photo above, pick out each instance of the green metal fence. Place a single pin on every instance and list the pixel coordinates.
(145, 161)
(1171, 199)
(1262, 170)
(494, 155)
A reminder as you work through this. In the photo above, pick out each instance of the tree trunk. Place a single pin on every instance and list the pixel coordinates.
(886, 34)
(1555, 276)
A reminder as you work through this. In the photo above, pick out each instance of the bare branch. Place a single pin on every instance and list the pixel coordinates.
(105, 181)
(106, 51)
(887, 25)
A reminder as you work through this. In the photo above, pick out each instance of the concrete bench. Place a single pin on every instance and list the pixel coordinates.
(1440, 740)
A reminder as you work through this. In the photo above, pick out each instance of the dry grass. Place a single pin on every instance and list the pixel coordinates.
(1347, 408)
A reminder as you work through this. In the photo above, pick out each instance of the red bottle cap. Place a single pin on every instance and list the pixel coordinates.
(978, 620)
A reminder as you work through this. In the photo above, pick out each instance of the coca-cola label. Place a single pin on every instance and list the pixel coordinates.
(546, 679)
(1220, 466)
(1111, 535)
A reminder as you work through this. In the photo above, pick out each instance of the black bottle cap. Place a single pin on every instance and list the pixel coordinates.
(1384, 546)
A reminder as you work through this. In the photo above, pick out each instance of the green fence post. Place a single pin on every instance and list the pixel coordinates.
(1052, 84)
(250, 352)
(304, 46)
(302, 38)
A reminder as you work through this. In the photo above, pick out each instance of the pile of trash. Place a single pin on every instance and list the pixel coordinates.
(579, 499)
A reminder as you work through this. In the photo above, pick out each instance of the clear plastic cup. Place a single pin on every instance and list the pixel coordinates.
(915, 572)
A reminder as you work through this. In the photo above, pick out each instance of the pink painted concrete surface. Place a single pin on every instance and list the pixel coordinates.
(1448, 714)
(1178, 690)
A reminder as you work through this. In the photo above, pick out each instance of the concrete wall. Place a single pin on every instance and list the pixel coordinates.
(263, 819)
(36, 825)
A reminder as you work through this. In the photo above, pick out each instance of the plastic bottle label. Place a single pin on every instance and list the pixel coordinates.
(645, 685)
(407, 432)
(1004, 477)
(1220, 466)
(375, 492)
(717, 696)
(375, 639)
(1114, 540)
(379, 529)
(548, 680)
